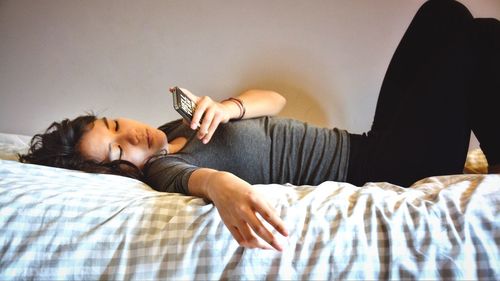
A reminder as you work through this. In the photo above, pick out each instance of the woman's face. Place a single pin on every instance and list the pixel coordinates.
(125, 139)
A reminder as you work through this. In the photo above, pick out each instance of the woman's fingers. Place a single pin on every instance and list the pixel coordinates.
(209, 114)
(241, 232)
(271, 216)
(209, 126)
(248, 230)
(244, 211)
(259, 229)
(200, 111)
(250, 240)
(205, 123)
(248, 215)
(236, 233)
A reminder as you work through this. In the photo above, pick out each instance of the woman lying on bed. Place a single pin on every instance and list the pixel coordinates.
(443, 81)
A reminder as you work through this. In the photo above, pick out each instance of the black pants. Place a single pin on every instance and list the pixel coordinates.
(442, 82)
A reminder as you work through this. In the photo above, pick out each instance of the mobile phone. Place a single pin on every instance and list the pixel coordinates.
(183, 104)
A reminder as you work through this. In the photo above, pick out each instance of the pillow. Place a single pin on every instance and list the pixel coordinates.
(11, 145)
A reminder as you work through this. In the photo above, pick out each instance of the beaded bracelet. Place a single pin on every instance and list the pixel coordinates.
(240, 105)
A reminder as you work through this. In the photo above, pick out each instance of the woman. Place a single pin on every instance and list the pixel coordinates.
(443, 81)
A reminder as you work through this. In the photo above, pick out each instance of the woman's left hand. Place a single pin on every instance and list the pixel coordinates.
(254, 103)
(207, 116)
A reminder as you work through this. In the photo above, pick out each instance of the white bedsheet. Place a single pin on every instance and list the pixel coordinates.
(57, 224)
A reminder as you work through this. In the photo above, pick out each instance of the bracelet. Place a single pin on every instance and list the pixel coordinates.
(240, 105)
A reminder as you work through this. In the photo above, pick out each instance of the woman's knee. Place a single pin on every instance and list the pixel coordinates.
(487, 29)
(445, 9)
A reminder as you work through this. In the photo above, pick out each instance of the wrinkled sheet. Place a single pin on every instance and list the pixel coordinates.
(57, 224)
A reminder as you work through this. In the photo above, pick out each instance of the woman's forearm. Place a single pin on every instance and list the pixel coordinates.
(257, 103)
(209, 183)
(199, 182)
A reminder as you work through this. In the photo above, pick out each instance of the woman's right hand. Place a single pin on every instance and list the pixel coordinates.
(238, 205)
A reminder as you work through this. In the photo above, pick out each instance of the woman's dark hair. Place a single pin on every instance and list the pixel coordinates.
(59, 147)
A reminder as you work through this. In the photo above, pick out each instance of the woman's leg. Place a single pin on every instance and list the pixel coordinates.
(430, 31)
(421, 126)
(484, 100)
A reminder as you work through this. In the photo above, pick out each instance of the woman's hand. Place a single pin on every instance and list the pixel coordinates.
(238, 205)
(207, 115)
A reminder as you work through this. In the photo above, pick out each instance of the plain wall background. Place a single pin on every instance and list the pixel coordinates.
(60, 59)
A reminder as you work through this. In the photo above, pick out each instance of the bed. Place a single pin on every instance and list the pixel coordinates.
(58, 224)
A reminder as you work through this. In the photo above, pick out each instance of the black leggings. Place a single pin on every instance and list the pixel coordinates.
(442, 82)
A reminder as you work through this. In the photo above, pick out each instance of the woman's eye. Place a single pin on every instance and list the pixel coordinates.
(117, 126)
(117, 153)
(121, 153)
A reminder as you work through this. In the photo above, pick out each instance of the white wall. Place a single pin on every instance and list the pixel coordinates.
(118, 57)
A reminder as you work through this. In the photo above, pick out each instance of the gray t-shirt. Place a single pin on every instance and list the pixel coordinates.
(260, 151)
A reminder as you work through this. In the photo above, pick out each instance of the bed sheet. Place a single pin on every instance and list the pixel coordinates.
(58, 224)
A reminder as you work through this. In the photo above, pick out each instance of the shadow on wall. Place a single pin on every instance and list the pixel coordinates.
(306, 85)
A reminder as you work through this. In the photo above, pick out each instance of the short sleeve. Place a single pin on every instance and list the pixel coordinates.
(169, 174)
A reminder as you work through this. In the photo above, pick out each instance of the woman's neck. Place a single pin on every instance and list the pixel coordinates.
(176, 145)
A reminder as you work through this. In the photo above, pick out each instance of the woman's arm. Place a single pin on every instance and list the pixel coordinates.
(238, 204)
(256, 102)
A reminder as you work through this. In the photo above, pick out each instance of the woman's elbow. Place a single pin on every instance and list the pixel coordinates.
(280, 101)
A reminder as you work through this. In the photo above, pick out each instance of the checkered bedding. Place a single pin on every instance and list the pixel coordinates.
(57, 224)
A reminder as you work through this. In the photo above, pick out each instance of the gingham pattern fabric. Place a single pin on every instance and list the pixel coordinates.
(57, 224)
